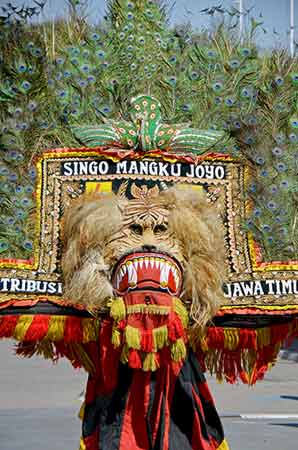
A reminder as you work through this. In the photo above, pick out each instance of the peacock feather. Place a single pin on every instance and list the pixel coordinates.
(70, 81)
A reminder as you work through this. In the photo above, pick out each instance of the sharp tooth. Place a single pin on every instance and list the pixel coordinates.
(124, 267)
(174, 273)
(146, 260)
(122, 272)
(132, 274)
(141, 261)
(152, 262)
(118, 280)
(157, 261)
(168, 267)
(176, 277)
(164, 273)
(135, 263)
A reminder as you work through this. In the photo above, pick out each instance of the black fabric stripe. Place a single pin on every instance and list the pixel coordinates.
(107, 412)
(182, 412)
(159, 442)
(45, 308)
(184, 406)
(211, 424)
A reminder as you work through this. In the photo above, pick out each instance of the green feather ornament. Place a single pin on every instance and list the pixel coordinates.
(146, 132)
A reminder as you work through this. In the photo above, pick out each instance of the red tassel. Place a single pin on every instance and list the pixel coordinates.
(7, 326)
(73, 331)
(38, 328)
(247, 339)
(147, 341)
(215, 337)
(175, 329)
(134, 359)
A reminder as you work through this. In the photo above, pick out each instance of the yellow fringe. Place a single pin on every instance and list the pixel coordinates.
(56, 328)
(117, 309)
(231, 338)
(203, 344)
(82, 445)
(149, 362)
(124, 354)
(45, 348)
(181, 311)
(116, 337)
(22, 326)
(148, 309)
(133, 337)
(178, 350)
(90, 330)
(263, 336)
(77, 351)
(160, 337)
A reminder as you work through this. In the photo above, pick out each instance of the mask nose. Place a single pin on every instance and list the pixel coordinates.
(149, 248)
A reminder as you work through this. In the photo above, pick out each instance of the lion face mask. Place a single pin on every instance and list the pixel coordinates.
(153, 261)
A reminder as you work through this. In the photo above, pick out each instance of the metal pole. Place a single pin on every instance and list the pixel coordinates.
(241, 18)
(292, 29)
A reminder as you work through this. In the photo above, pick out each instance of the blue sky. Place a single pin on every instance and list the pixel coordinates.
(276, 14)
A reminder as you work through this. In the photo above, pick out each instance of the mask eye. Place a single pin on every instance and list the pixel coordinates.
(161, 228)
(136, 229)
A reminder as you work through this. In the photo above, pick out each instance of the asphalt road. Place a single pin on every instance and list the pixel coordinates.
(39, 403)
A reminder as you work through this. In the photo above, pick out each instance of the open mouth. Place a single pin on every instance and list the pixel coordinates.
(147, 270)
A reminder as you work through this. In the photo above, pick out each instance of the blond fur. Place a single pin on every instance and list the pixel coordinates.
(95, 238)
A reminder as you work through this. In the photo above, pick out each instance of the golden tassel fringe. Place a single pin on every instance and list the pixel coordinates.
(181, 311)
(133, 337)
(149, 363)
(263, 336)
(160, 337)
(178, 350)
(117, 309)
(148, 309)
(231, 338)
(116, 337)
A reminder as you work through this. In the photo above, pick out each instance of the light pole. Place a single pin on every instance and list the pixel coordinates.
(241, 18)
(292, 29)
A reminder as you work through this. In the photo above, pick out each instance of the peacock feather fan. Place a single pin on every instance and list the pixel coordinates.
(70, 81)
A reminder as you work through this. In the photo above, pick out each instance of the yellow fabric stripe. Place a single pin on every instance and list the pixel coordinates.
(22, 326)
(56, 328)
(82, 445)
(82, 411)
(223, 446)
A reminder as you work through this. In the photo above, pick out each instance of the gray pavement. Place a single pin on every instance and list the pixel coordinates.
(39, 403)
